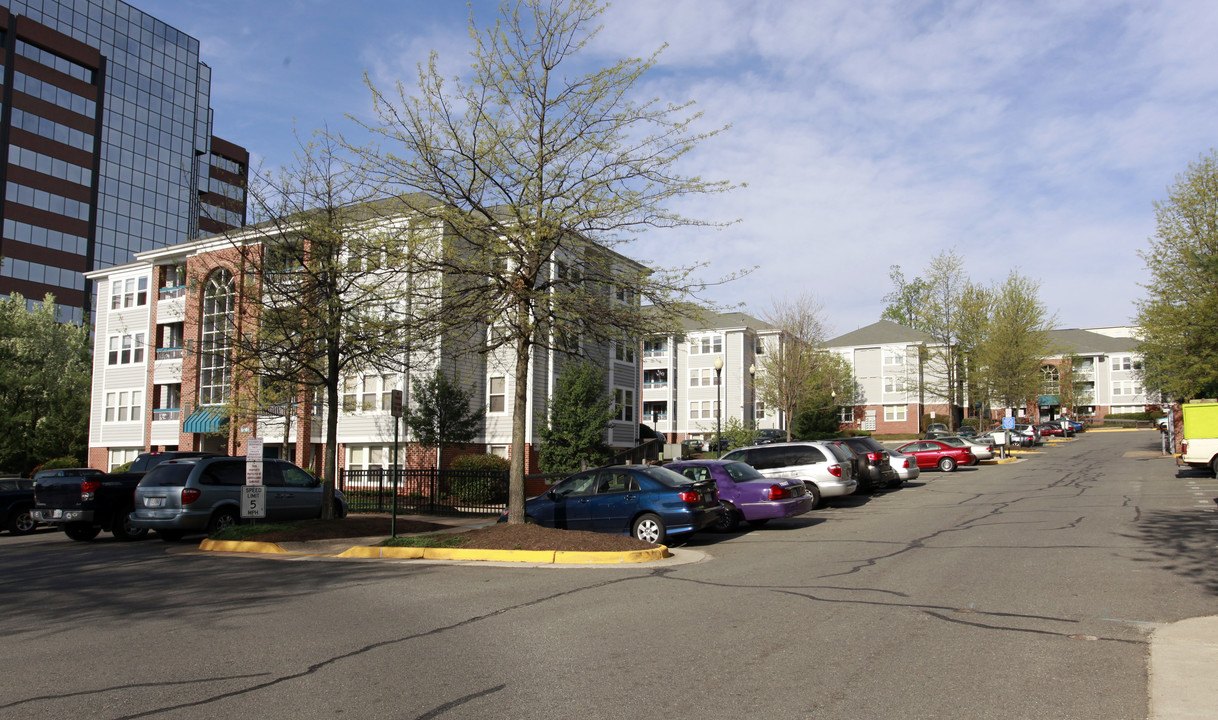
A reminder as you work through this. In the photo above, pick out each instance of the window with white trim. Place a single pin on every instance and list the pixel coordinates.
(894, 357)
(496, 401)
(760, 410)
(124, 406)
(126, 349)
(1126, 387)
(845, 414)
(894, 383)
(129, 292)
(702, 409)
(370, 393)
(122, 456)
(370, 457)
(655, 348)
(702, 377)
(895, 413)
(623, 351)
(705, 344)
(216, 319)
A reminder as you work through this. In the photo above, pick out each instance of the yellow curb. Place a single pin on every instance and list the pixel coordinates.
(415, 553)
(241, 546)
(998, 461)
(529, 556)
(634, 556)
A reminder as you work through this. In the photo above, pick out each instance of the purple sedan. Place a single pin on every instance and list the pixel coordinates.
(746, 494)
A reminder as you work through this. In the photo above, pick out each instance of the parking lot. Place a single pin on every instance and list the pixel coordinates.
(1026, 590)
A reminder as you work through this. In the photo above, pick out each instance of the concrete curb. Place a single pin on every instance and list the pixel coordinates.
(1183, 656)
(535, 557)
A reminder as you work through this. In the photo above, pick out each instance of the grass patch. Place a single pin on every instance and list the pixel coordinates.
(238, 533)
(437, 540)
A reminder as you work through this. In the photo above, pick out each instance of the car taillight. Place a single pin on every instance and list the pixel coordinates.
(189, 495)
(690, 496)
(875, 457)
(777, 492)
(88, 488)
(835, 470)
(909, 463)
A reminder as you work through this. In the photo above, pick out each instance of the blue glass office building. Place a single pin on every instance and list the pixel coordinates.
(105, 145)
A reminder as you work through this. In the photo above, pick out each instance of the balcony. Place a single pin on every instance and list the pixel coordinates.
(169, 293)
(169, 353)
(166, 414)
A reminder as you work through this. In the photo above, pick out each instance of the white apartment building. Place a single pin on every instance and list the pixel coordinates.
(681, 391)
(161, 380)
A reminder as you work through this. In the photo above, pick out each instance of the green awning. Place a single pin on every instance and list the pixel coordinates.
(205, 420)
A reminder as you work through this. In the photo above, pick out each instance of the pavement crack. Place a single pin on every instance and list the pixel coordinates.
(437, 712)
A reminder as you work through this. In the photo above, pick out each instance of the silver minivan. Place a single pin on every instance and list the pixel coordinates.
(204, 495)
(824, 468)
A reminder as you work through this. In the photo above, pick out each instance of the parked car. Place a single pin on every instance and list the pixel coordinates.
(933, 453)
(824, 467)
(766, 436)
(966, 431)
(690, 447)
(1054, 430)
(874, 471)
(746, 494)
(650, 503)
(86, 501)
(937, 427)
(203, 494)
(17, 505)
(935, 434)
(981, 451)
(906, 466)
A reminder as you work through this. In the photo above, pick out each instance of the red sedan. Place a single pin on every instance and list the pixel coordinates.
(932, 453)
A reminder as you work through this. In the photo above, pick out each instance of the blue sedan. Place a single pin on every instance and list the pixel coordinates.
(650, 503)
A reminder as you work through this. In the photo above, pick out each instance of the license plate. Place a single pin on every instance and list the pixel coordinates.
(154, 501)
(57, 513)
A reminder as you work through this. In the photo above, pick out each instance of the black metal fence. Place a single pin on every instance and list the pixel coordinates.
(426, 491)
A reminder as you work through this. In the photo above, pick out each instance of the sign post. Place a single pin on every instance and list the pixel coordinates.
(395, 409)
(253, 495)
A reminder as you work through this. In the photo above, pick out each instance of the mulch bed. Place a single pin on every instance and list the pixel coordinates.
(494, 537)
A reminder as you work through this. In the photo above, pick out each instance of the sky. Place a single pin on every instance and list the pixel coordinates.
(1032, 136)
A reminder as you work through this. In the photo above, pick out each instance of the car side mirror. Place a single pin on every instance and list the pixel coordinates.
(551, 494)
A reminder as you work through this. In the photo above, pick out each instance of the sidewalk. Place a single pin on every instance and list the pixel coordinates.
(1183, 670)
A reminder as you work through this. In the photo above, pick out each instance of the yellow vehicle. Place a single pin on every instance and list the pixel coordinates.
(1199, 447)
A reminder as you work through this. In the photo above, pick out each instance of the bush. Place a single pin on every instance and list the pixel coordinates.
(66, 461)
(480, 462)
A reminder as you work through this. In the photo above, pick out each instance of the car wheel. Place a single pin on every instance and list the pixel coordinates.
(170, 535)
(896, 483)
(815, 493)
(729, 520)
(21, 522)
(222, 520)
(124, 530)
(649, 528)
(947, 464)
(81, 532)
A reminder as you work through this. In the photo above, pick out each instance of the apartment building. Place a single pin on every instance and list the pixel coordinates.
(106, 146)
(681, 391)
(162, 378)
(889, 362)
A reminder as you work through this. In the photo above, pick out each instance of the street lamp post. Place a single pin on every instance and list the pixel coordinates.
(719, 404)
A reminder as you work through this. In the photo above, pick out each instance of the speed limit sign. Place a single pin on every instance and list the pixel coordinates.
(253, 501)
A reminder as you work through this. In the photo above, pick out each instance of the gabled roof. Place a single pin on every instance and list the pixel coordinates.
(719, 321)
(1084, 342)
(884, 332)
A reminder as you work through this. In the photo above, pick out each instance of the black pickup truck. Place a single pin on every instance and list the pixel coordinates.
(16, 502)
(85, 501)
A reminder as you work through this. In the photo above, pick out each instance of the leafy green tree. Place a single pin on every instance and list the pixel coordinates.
(906, 302)
(799, 372)
(736, 433)
(580, 413)
(322, 276)
(946, 321)
(45, 375)
(1013, 350)
(441, 414)
(537, 171)
(1178, 320)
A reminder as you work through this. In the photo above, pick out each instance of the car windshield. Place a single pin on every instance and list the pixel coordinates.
(664, 476)
(739, 471)
(170, 474)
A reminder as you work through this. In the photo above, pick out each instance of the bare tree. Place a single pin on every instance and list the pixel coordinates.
(536, 175)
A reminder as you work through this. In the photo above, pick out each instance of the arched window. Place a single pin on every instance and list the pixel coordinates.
(216, 323)
(1050, 380)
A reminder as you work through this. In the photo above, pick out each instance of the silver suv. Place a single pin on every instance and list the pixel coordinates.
(204, 495)
(824, 468)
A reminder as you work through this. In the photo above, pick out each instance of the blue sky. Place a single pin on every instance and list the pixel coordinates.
(1026, 135)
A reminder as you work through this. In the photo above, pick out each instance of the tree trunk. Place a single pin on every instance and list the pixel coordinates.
(520, 416)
